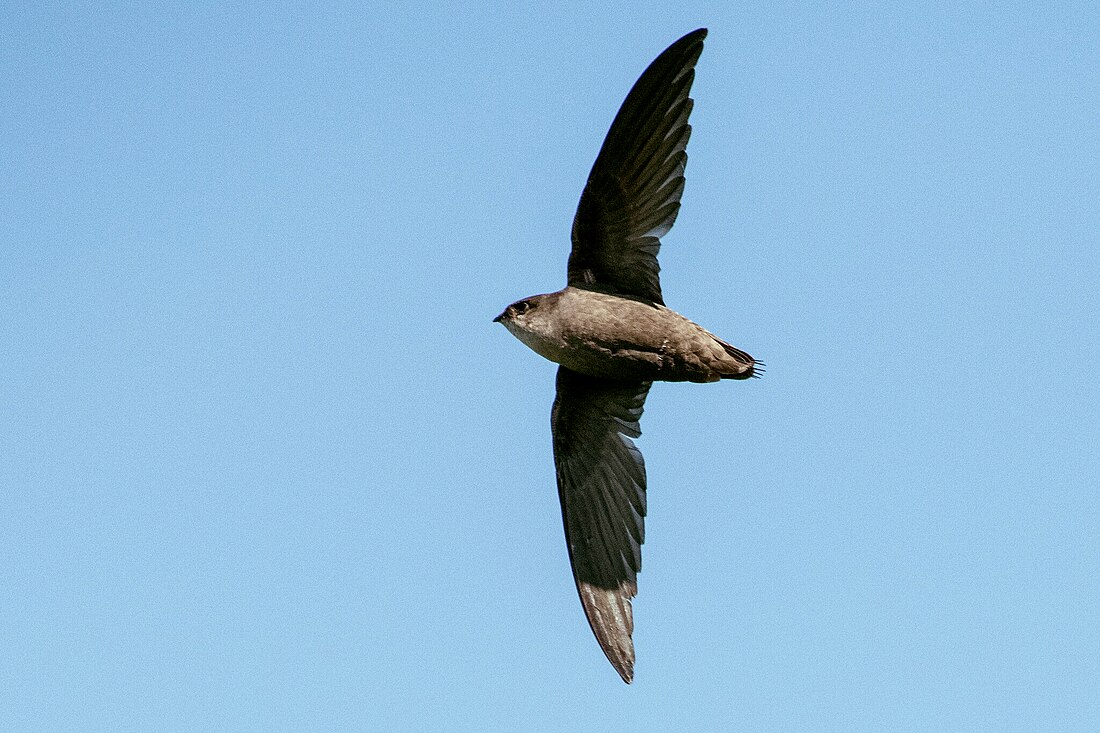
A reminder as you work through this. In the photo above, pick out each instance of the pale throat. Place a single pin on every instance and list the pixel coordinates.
(545, 345)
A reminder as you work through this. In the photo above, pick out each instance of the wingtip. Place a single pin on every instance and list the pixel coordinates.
(696, 35)
(623, 665)
(611, 618)
(689, 40)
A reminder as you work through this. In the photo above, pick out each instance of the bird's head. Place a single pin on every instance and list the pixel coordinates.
(532, 319)
(535, 322)
(516, 312)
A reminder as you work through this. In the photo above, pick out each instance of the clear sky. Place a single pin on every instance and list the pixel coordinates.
(267, 464)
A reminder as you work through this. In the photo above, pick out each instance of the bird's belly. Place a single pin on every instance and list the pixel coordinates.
(640, 346)
(597, 353)
(615, 360)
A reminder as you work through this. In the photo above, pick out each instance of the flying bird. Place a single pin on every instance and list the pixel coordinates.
(612, 337)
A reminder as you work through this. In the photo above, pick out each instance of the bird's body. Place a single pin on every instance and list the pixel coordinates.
(611, 337)
(611, 333)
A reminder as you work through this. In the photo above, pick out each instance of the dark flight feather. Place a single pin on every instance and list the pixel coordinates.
(633, 191)
(601, 483)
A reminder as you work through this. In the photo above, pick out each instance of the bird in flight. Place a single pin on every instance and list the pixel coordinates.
(612, 337)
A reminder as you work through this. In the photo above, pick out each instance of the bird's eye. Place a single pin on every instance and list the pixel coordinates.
(522, 307)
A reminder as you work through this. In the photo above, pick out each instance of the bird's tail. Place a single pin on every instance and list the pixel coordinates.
(741, 365)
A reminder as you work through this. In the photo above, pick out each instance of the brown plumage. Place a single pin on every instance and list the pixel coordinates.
(613, 337)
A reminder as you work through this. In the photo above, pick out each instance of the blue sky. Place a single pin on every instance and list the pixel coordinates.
(266, 463)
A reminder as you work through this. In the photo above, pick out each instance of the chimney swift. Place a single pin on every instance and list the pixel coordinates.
(612, 336)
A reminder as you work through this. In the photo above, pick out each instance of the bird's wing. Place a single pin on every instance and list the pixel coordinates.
(601, 483)
(633, 191)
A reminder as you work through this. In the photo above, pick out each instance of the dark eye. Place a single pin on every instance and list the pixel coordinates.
(522, 307)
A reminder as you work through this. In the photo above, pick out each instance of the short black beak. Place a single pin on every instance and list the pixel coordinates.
(499, 318)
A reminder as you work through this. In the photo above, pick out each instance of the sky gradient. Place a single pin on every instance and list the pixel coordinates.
(267, 464)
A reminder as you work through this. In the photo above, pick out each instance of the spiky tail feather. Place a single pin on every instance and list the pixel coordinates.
(749, 366)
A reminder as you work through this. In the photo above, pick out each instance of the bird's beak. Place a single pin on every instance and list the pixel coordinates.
(499, 318)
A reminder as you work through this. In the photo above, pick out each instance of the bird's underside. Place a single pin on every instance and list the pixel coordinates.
(612, 337)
